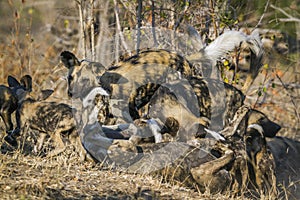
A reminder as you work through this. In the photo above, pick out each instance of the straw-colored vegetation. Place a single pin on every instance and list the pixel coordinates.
(32, 35)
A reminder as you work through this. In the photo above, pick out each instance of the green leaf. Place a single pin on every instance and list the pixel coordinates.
(259, 93)
(273, 85)
(264, 89)
(266, 66)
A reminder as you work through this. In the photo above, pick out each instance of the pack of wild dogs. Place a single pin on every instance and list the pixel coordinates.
(159, 112)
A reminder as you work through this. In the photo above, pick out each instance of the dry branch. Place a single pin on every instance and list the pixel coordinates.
(139, 20)
(119, 31)
(153, 23)
(289, 18)
(263, 15)
(82, 28)
(92, 21)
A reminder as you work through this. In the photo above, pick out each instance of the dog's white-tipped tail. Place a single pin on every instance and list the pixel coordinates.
(223, 44)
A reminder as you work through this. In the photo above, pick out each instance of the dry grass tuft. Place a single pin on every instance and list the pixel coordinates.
(34, 177)
(27, 176)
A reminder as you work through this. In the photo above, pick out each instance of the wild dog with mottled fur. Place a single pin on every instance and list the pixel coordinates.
(145, 71)
(9, 103)
(249, 129)
(260, 162)
(83, 76)
(193, 106)
(48, 118)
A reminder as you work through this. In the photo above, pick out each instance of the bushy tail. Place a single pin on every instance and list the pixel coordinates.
(223, 44)
(227, 42)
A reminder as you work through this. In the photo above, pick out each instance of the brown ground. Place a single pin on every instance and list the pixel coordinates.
(27, 176)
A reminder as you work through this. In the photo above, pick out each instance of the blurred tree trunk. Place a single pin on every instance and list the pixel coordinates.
(101, 44)
(139, 24)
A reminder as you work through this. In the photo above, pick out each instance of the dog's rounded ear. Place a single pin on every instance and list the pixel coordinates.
(26, 82)
(45, 94)
(69, 59)
(12, 81)
(270, 127)
(112, 78)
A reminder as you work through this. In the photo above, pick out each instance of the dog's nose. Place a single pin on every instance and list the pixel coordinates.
(69, 93)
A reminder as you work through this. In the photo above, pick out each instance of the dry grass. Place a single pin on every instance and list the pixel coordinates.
(24, 175)
(27, 176)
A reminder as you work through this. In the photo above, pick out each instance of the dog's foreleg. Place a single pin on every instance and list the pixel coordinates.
(76, 141)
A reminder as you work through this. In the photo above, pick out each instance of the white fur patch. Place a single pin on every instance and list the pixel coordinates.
(224, 43)
(257, 127)
(214, 134)
(93, 116)
(89, 99)
(154, 127)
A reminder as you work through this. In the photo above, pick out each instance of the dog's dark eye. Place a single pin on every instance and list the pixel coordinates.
(262, 121)
(70, 78)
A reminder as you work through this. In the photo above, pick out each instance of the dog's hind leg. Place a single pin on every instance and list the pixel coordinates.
(211, 173)
(58, 143)
(37, 148)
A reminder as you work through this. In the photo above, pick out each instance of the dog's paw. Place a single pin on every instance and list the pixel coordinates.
(122, 152)
(11, 140)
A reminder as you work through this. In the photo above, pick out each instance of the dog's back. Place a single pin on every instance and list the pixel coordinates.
(287, 165)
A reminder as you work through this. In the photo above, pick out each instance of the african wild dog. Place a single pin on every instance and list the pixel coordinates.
(244, 128)
(48, 118)
(250, 128)
(234, 40)
(9, 103)
(133, 80)
(83, 76)
(186, 108)
(147, 69)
